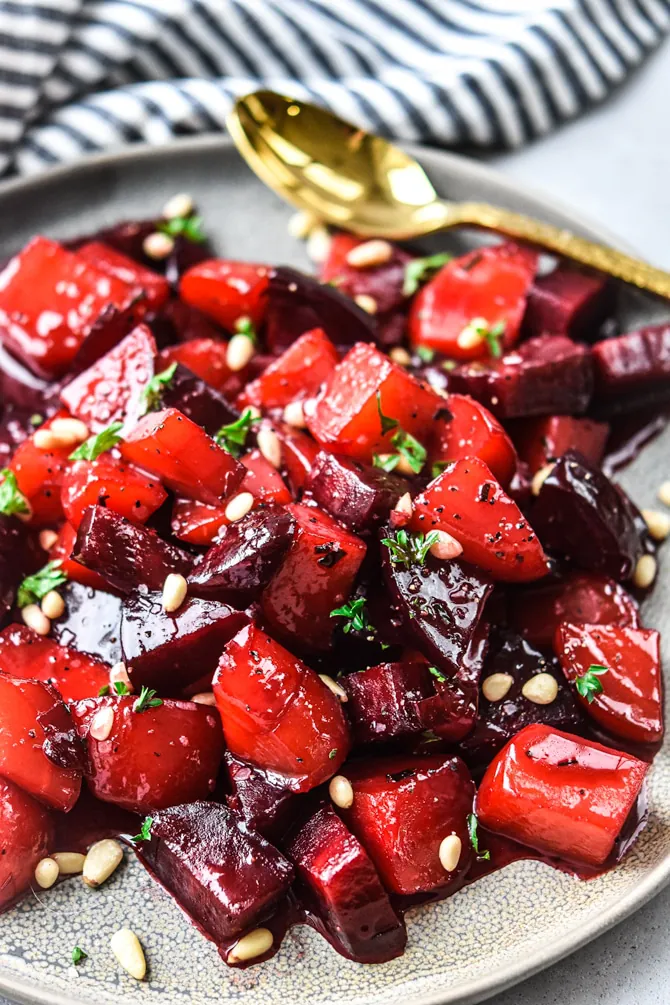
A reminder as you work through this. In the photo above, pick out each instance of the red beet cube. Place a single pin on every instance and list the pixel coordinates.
(543, 441)
(632, 361)
(62, 551)
(197, 522)
(357, 494)
(384, 282)
(207, 359)
(385, 701)
(26, 837)
(266, 805)
(568, 302)
(25, 654)
(226, 290)
(153, 288)
(39, 475)
(298, 373)
(108, 482)
(298, 455)
(464, 428)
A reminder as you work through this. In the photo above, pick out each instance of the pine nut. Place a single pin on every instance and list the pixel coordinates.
(35, 618)
(269, 445)
(47, 539)
(180, 204)
(318, 244)
(44, 439)
(658, 524)
(69, 432)
(46, 873)
(495, 687)
(118, 674)
(341, 791)
(540, 477)
(239, 506)
(204, 698)
(446, 546)
(157, 245)
(294, 415)
(129, 953)
(541, 689)
(645, 572)
(400, 356)
(470, 337)
(403, 467)
(450, 852)
(53, 604)
(175, 589)
(366, 303)
(103, 858)
(301, 224)
(664, 493)
(333, 686)
(256, 943)
(370, 254)
(240, 352)
(70, 863)
(404, 505)
(102, 723)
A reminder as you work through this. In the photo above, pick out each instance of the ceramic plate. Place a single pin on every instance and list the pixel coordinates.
(485, 938)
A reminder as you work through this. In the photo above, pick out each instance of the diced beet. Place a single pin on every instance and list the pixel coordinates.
(158, 757)
(277, 713)
(632, 362)
(568, 302)
(207, 359)
(582, 516)
(62, 552)
(263, 480)
(464, 428)
(344, 890)
(26, 837)
(358, 494)
(198, 401)
(153, 288)
(109, 483)
(21, 388)
(197, 522)
(29, 712)
(545, 375)
(298, 373)
(384, 282)
(125, 554)
(12, 560)
(25, 654)
(245, 556)
(267, 806)
(385, 701)
(226, 877)
(542, 441)
(170, 651)
(403, 808)
(15, 428)
(91, 623)
(227, 290)
(39, 475)
(298, 455)
(316, 576)
(179, 322)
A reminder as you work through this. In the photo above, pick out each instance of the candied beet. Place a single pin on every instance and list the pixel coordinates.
(464, 428)
(385, 701)
(355, 493)
(342, 887)
(227, 290)
(39, 475)
(12, 560)
(245, 556)
(297, 374)
(170, 651)
(542, 441)
(25, 654)
(298, 455)
(226, 877)
(267, 806)
(125, 554)
(109, 483)
(542, 376)
(207, 359)
(198, 401)
(27, 835)
(91, 623)
(632, 362)
(153, 288)
(568, 302)
(384, 282)
(581, 515)
(61, 551)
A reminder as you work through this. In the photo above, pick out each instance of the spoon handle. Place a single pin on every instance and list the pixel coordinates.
(598, 256)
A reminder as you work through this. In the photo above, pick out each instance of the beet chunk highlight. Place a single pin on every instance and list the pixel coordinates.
(27, 835)
(355, 493)
(267, 806)
(568, 302)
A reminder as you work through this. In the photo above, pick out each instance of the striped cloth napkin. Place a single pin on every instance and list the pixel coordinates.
(80, 76)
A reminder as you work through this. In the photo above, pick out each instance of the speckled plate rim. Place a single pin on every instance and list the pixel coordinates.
(476, 989)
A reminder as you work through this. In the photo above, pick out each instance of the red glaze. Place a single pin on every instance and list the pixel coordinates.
(277, 713)
(109, 482)
(154, 288)
(489, 283)
(26, 837)
(152, 759)
(62, 551)
(467, 429)
(298, 373)
(542, 441)
(402, 810)
(206, 358)
(467, 502)
(631, 703)
(29, 656)
(226, 290)
(346, 417)
(39, 475)
(182, 456)
(30, 712)
(560, 794)
(298, 455)
(316, 576)
(384, 283)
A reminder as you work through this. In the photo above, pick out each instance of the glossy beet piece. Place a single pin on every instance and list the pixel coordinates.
(388, 701)
(91, 623)
(111, 389)
(20, 388)
(298, 455)
(226, 877)
(543, 376)
(276, 712)
(15, 428)
(357, 494)
(25, 654)
(263, 480)
(298, 373)
(30, 713)
(384, 283)
(199, 402)
(26, 837)
(182, 456)
(633, 361)
(63, 550)
(153, 288)
(245, 557)
(464, 428)
(467, 502)
(630, 704)
(499, 721)
(170, 651)
(266, 806)
(560, 794)
(543, 441)
(108, 482)
(126, 555)
(12, 560)
(342, 887)
(402, 810)
(581, 597)
(207, 359)
(39, 475)
(226, 290)
(582, 516)
(316, 576)
(568, 302)
(159, 757)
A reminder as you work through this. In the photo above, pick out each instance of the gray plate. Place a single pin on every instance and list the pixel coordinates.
(484, 939)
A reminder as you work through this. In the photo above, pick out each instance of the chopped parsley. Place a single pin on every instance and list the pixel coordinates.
(104, 691)
(333, 754)
(189, 227)
(153, 392)
(589, 685)
(425, 354)
(438, 467)
(410, 549)
(387, 462)
(437, 673)
(121, 688)
(12, 500)
(356, 615)
(420, 270)
(406, 445)
(145, 831)
(482, 856)
(91, 449)
(146, 700)
(492, 334)
(245, 326)
(34, 587)
(233, 437)
(387, 422)
(78, 955)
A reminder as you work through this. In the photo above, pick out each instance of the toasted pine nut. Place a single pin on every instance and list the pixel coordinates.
(102, 723)
(102, 860)
(118, 674)
(47, 539)
(404, 505)
(450, 852)
(240, 352)
(269, 445)
(446, 546)
(44, 439)
(318, 244)
(366, 303)
(46, 873)
(541, 689)
(294, 415)
(35, 618)
(645, 572)
(403, 467)
(664, 493)
(301, 224)
(70, 863)
(129, 953)
(204, 698)
(333, 686)
(658, 524)
(158, 245)
(53, 604)
(69, 432)
(540, 477)
(400, 356)
(369, 254)
(256, 943)
(175, 589)
(470, 338)
(496, 686)
(239, 506)
(180, 204)
(341, 791)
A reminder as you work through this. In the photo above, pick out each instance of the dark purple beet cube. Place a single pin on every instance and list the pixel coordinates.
(12, 560)
(91, 623)
(355, 493)
(629, 363)
(568, 302)
(384, 702)
(198, 401)
(266, 805)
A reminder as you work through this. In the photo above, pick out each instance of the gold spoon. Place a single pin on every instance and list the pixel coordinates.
(361, 182)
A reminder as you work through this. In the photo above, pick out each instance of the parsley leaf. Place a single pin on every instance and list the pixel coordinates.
(12, 500)
(99, 444)
(333, 754)
(233, 437)
(145, 831)
(387, 423)
(34, 587)
(189, 227)
(410, 549)
(425, 354)
(494, 337)
(474, 839)
(410, 448)
(437, 673)
(387, 462)
(121, 688)
(104, 691)
(245, 326)
(420, 270)
(588, 685)
(356, 615)
(78, 955)
(146, 700)
(152, 393)
(438, 467)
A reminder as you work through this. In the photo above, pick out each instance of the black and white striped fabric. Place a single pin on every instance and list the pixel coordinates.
(80, 76)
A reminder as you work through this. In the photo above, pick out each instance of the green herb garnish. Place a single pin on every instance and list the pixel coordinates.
(387, 462)
(245, 326)
(36, 419)
(233, 437)
(410, 549)
(78, 955)
(474, 839)
(146, 700)
(589, 685)
(333, 754)
(153, 391)
(492, 334)
(91, 449)
(438, 467)
(34, 587)
(410, 448)
(189, 227)
(437, 673)
(121, 688)
(425, 354)
(420, 270)
(356, 615)
(104, 691)
(12, 500)
(145, 831)
(386, 421)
